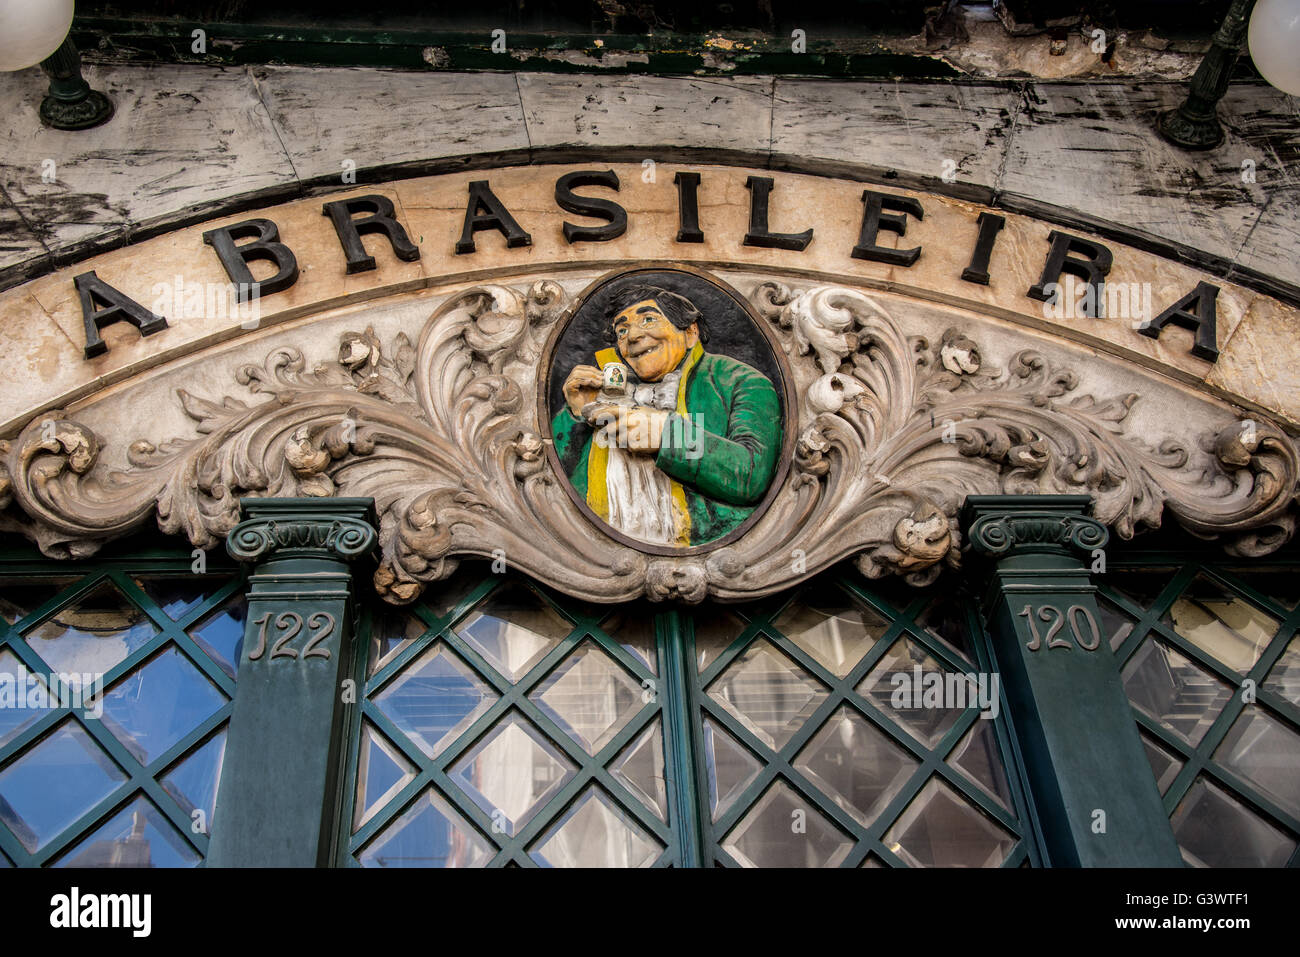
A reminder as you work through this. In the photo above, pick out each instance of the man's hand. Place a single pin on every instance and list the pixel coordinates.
(581, 388)
(636, 428)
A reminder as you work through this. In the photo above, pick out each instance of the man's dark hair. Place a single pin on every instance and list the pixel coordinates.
(679, 310)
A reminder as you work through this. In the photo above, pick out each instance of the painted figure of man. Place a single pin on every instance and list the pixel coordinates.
(690, 451)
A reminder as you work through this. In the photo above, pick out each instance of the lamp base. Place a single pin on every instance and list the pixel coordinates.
(91, 110)
(1190, 132)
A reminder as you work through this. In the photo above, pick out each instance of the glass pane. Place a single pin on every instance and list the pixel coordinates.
(941, 829)
(831, 627)
(435, 699)
(54, 783)
(391, 630)
(715, 629)
(429, 833)
(158, 704)
(1116, 625)
(978, 757)
(1222, 625)
(1170, 689)
(908, 685)
(856, 765)
(137, 836)
(595, 832)
(514, 629)
(1140, 586)
(92, 635)
(1266, 752)
(1281, 585)
(784, 829)
(193, 782)
(512, 772)
(382, 771)
(589, 696)
(1164, 765)
(1214, 829)
(946, 619)
(730, 767)
(221, 633)
(768, 693)
(20, 597)
(177, 596)
(640, 768)
(24, 697)
(1284, 677)
(635, 631)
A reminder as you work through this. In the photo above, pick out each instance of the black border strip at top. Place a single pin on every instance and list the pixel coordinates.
(1219, 266)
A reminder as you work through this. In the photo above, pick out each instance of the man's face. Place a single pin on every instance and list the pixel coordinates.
(649, 342)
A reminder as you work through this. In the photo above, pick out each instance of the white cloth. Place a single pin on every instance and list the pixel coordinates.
(640, 495)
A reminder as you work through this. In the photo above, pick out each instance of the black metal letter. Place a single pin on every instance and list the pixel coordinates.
(1195, 311)
(1091, 269)
(873, 221)
(688, 208)
(760, 188)
(102, 305)
(571, 202)
(265, 245)
(484, 211)
(990, 224)
(380, 220)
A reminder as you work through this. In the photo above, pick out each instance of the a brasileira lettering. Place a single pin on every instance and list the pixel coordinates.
(240, 243)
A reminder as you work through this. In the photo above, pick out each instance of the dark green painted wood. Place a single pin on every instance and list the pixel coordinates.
(686, 811)
(276, 805)
(1071, 718)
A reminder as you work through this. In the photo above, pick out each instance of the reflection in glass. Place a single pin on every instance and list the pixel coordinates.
(1214, 829)
(729, 766)
(831, 627)
(635, 631)
(946, 618)
(24, 698)
(514, 629)
(429, 833)
(158, 704)
(193, 781)
(590, 697)
(93, 634)
(1221, 624)
(512, 772)
(177, 595)
(382, 771)
(715, 629)
(594, 832)
(54, 783)
(1164, 765)
(856, 765)
(978, 757)
(434, 699)
(1170, 689)
(1266, 752)
(770, 834)
(640, 768)
(391, 631)
(1284, 676)
(941, 829)
(925, 723)
(137, 836)
(1116, 625)
(20, 597)
(1141, 587)
(768, 693)
(221, 633)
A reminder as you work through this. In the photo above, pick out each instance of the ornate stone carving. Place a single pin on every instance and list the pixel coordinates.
(893, 433)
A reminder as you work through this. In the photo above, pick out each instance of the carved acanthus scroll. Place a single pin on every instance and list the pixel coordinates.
(445, 435)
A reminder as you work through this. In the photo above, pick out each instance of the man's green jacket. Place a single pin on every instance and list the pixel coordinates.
(723, 452)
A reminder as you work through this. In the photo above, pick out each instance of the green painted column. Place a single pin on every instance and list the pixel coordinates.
(1092, 786)
(278, 794)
